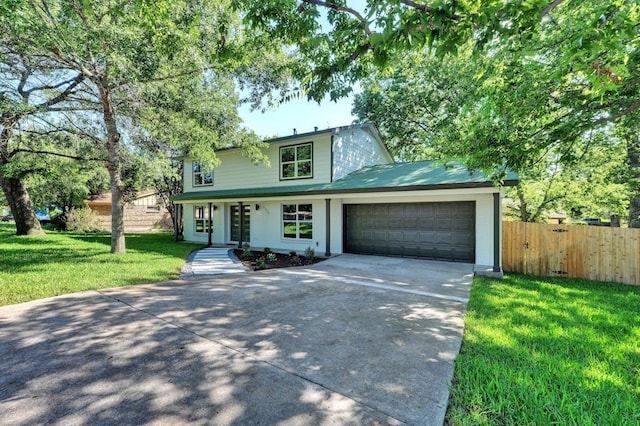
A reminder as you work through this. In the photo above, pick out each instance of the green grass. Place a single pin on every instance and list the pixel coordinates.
(58, 263)
(540, 350)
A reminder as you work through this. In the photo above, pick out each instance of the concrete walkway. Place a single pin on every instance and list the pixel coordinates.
(212, 261)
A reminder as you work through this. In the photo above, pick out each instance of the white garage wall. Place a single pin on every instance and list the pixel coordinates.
(266, 223)
(484, 214)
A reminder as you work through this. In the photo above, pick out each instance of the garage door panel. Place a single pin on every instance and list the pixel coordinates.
(430, 230)
(397, 236)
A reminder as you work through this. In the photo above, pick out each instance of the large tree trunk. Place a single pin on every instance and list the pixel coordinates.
(27, 222)
(14, 191)
(524, 214)
(633, 158)
(113, 148)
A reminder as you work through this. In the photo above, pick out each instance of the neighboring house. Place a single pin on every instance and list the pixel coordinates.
(142, 214)
(339, 191)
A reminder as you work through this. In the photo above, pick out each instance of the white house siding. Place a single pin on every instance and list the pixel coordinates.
(355, 148)
(266, 223)
(236, 171)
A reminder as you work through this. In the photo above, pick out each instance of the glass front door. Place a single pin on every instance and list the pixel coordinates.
(235, 223)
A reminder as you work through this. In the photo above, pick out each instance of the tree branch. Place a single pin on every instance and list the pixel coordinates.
(56, 154)
(550, 7)
(355, 13)
(62, 96)
(618, 115)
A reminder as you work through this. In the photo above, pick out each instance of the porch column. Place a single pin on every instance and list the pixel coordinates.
(209, 230)
(497, 228)
(327, 251)
(241, 225)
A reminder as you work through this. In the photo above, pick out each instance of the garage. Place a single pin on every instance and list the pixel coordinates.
(441, 231)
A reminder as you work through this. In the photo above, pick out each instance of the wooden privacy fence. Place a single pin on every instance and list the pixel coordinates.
(590, 252)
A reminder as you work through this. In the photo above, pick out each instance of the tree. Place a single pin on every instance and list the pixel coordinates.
(32, 89)
(117, 48)
(425, 108)
(355, 39)
(58, 178)
(572, 62)
(593, 186)
(627, 130)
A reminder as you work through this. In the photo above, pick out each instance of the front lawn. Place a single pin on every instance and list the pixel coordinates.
(58, 263)
(540, 350)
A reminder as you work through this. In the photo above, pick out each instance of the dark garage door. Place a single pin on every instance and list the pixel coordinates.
(443, 231)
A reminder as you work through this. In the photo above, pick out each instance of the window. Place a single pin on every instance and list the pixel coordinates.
(201, 219)
(296, 161)
(201, 176)
(297, 221)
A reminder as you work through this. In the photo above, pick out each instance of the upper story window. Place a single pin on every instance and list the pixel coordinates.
(201, 175)
(296, 162)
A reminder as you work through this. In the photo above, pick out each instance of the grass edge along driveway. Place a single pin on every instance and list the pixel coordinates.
(61, 262)
(541, 350)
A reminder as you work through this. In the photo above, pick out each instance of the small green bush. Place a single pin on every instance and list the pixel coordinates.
(295, 260)
(271, 257)
(83, 220)
(247, 254)
(293, 253)
(309, 253)
(261, 264)
(267, 250)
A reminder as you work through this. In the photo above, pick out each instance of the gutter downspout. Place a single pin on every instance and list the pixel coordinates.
(327, 251)
(497, 229)
(209, 230)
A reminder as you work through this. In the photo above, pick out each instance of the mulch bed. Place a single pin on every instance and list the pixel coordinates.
(261, 260)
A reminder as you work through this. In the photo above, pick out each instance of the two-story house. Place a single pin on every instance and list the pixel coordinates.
(339, 191)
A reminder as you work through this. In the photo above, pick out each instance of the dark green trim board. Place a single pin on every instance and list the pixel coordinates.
(209, 231)
(327, 251)
(497, 225)
(241, 213)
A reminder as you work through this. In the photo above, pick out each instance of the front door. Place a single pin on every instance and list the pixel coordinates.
(235, 223)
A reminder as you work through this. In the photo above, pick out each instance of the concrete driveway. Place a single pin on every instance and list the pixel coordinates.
(352, 340)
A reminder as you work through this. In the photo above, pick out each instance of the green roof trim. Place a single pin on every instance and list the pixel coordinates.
(415, 176)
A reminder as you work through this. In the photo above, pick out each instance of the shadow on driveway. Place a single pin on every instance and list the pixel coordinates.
(296, 346)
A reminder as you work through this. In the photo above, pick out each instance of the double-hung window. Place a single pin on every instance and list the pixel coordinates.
(201, 219)
(202, 176)
(296, 162)
(297, 221)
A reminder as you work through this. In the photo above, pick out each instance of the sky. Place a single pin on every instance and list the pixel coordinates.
(299, 114)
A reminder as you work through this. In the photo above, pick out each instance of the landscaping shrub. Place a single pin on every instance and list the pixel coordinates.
(82, 220)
